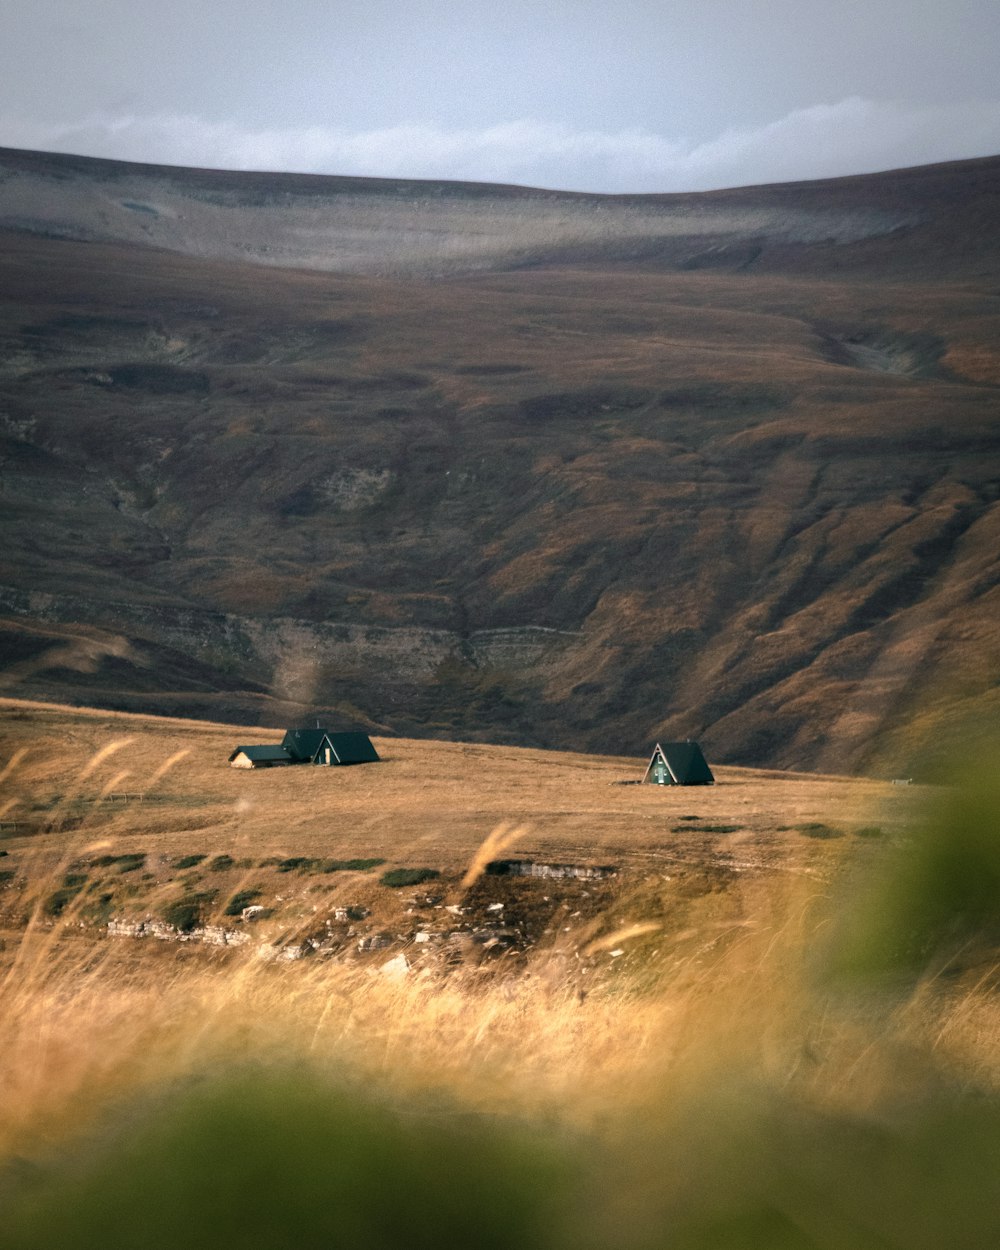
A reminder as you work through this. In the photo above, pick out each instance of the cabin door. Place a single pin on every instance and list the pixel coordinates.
(327, 755)
(660, 774)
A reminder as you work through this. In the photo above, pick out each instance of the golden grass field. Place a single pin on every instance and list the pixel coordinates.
(80, 784)
(710, 1087)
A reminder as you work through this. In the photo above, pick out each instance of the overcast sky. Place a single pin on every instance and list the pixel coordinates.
(600, 95)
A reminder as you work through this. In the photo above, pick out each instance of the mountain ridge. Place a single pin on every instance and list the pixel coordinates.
(404, 227)
(748, 480)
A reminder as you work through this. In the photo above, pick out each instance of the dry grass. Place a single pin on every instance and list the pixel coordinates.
(678, 1068)
(86, 1017)
(668, 1067)
(434, 799)
(683, 858)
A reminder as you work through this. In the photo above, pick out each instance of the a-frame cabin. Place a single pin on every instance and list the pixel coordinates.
(323, 746)
(678, 764)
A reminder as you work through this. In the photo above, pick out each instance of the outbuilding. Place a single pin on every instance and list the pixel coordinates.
(678, 764)
(259, 757)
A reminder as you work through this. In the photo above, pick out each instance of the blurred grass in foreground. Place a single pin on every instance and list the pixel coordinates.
(829, 1079)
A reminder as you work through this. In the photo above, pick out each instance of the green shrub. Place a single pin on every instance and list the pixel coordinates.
(296, 863)
(189, 861)
(306, 863)
(350, 865)
(706, 828)
(59, 900)
(282, 1160)
(98, 910)
(126, 863)
(7, 874)
(397, 877)
(241, 899)
(816, 829)
(188, 912)
(933, 900)
(184, 914)
(221, 863)
(869, 831)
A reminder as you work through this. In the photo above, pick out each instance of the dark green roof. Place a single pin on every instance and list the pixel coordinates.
(263, 754)
(346, 747)
(685, 763)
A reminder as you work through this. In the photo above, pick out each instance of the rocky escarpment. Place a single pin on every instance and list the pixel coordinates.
(291, 660)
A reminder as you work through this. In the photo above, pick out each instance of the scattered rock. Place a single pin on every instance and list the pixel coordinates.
(343, 914)
(160, 929)
(529, 868)
(284, 953)
(216, 935)
(127, 928)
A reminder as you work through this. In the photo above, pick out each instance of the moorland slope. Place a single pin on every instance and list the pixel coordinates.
(130, 819)
(505, 464)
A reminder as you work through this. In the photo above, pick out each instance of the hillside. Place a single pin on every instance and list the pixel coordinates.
(120, 817)
(446, 460)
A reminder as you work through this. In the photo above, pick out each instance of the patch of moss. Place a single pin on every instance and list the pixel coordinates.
(130, 862)
(98, 911)
(60, 899)
(398, 877)
(350, 865)
(296, 863)
(706, 828)
(816, 829)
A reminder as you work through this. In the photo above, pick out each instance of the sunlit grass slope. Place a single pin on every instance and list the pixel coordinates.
(109, 816)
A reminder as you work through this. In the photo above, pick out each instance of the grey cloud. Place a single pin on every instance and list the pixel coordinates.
(853, 135)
